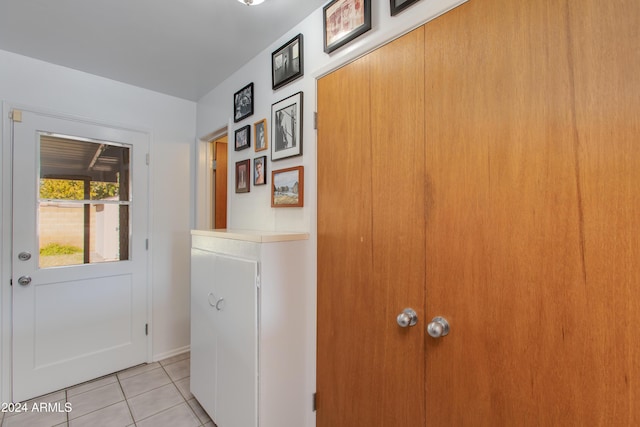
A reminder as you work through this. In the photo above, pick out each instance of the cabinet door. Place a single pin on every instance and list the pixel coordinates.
(203, 336)
(224, 337)
(237, 342)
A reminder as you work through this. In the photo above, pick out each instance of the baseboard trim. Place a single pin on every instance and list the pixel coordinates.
(168, 354)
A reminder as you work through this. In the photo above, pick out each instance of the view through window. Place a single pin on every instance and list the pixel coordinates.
(83, 202)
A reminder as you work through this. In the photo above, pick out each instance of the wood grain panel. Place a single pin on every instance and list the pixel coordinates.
(347, 380)
(605, 59)
(398, 171)
(532, 232)
(371, 239)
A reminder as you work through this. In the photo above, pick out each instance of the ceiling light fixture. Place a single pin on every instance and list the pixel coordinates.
(251, 2)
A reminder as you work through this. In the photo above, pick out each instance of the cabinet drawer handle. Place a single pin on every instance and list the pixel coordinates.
(212, 299)
(216, 302)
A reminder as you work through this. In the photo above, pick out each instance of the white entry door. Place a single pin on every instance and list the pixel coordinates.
(79, 283)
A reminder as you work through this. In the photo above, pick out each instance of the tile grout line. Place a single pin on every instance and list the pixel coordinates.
(66, 400)
(126, 400)
(200, 423)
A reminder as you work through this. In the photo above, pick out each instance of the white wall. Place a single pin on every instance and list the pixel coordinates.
(253, 210)
(171, 123)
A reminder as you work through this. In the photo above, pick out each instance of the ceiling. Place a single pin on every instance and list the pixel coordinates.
(183, 48)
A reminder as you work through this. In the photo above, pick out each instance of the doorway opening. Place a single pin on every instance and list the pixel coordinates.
(218, 167)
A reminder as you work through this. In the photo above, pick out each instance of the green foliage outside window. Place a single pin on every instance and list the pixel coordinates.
(67, 189)
(58, 249)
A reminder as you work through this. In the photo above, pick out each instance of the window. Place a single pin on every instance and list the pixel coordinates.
(83, 202)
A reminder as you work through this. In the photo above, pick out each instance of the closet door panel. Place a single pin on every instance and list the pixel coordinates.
(533, 181)
(346, 389)
(398, 223)
(371, 239)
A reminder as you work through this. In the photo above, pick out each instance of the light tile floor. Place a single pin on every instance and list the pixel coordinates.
(150, 395)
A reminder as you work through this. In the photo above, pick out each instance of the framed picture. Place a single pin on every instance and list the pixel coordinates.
(260, 170)
(287, 187)
(344, 20)
(286, 127)
(260, 135)
(243, 138)
(287, 62)
(243, 103)
(398, 6)
(243, 176)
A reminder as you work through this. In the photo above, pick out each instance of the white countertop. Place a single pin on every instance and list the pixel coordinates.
(253, 235)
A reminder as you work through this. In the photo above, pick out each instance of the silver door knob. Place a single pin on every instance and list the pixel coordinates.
(24, 256)
(24, 280)
(439, 327)
(408, 317)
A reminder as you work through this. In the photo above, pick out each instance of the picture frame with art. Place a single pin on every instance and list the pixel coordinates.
(287, 62)
(286, 127)
(243, 176)
(397, 6)
(242, 138)
(260, 170)
(243, 103)
(287, 187)
(260, 135)
(343, 21)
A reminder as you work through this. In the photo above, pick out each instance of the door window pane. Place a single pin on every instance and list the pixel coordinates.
(83, 206)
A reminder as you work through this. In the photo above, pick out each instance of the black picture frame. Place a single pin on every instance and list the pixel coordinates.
(242, 138)
(398, 6)
(243, 103)
(286, 127)
(243, 176)
(260, 171)
(343, 21)
(287, 62)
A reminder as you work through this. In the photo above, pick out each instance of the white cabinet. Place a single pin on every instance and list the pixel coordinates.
(248, 327)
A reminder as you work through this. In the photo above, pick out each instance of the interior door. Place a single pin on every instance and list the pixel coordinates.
(371, 247)
(532, 241)
(220, 211)
(79, 252)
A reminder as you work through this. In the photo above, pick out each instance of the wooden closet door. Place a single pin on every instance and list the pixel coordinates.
(371, 249)
(533, 161)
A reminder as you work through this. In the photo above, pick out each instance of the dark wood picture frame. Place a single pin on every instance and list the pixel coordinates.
(243, 103)
(243, 176)
(286, 127)
(260, 170)
(242, 138)
(343, 21)
(287, 187)
(287, 62)
(397, 6)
